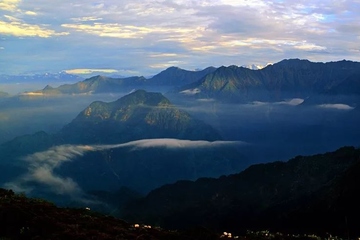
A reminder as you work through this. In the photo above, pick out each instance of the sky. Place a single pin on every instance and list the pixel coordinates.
(132, 37)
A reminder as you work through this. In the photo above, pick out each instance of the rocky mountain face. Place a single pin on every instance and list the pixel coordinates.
(286, 79)
(306, 194)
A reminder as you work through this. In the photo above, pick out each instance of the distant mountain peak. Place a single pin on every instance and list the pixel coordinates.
(144, 98)
(172, 68)
(96, 78)
(48, 87)
(253, 66)
(174, 76)
(123, 108)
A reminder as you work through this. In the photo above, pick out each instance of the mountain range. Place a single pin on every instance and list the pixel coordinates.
(292, 78)
(171, 77)
(97, 84)
(60, 77)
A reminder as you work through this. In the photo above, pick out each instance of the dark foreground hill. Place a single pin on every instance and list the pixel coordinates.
(317, 194)
(25, 218)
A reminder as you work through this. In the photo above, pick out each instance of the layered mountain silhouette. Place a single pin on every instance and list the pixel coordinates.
(140, 141)
(60, 76)
(291, 78)
(97, 84)
(315, 194)
(171, 77)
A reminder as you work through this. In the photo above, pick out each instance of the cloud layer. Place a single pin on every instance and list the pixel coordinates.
(142, 36)
(337, 106)
(41, 165)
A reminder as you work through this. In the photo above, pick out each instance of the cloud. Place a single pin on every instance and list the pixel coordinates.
(165, 64)
(156, 55)
(310, 47)
(114, 30)
(195, 34)
(57, 184)
(32, 94)
(9, 5)
(193, 91)
(337, 106)
(86, 19)
(259, 103)
(206, 100)
(16, 27)
(174, 144)
(90, 71)
(41, 165)
(292, 102)
(117, 30)
(31, 13)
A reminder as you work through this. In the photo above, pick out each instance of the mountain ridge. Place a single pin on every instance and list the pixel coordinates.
(289, 78)
(170, 77)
